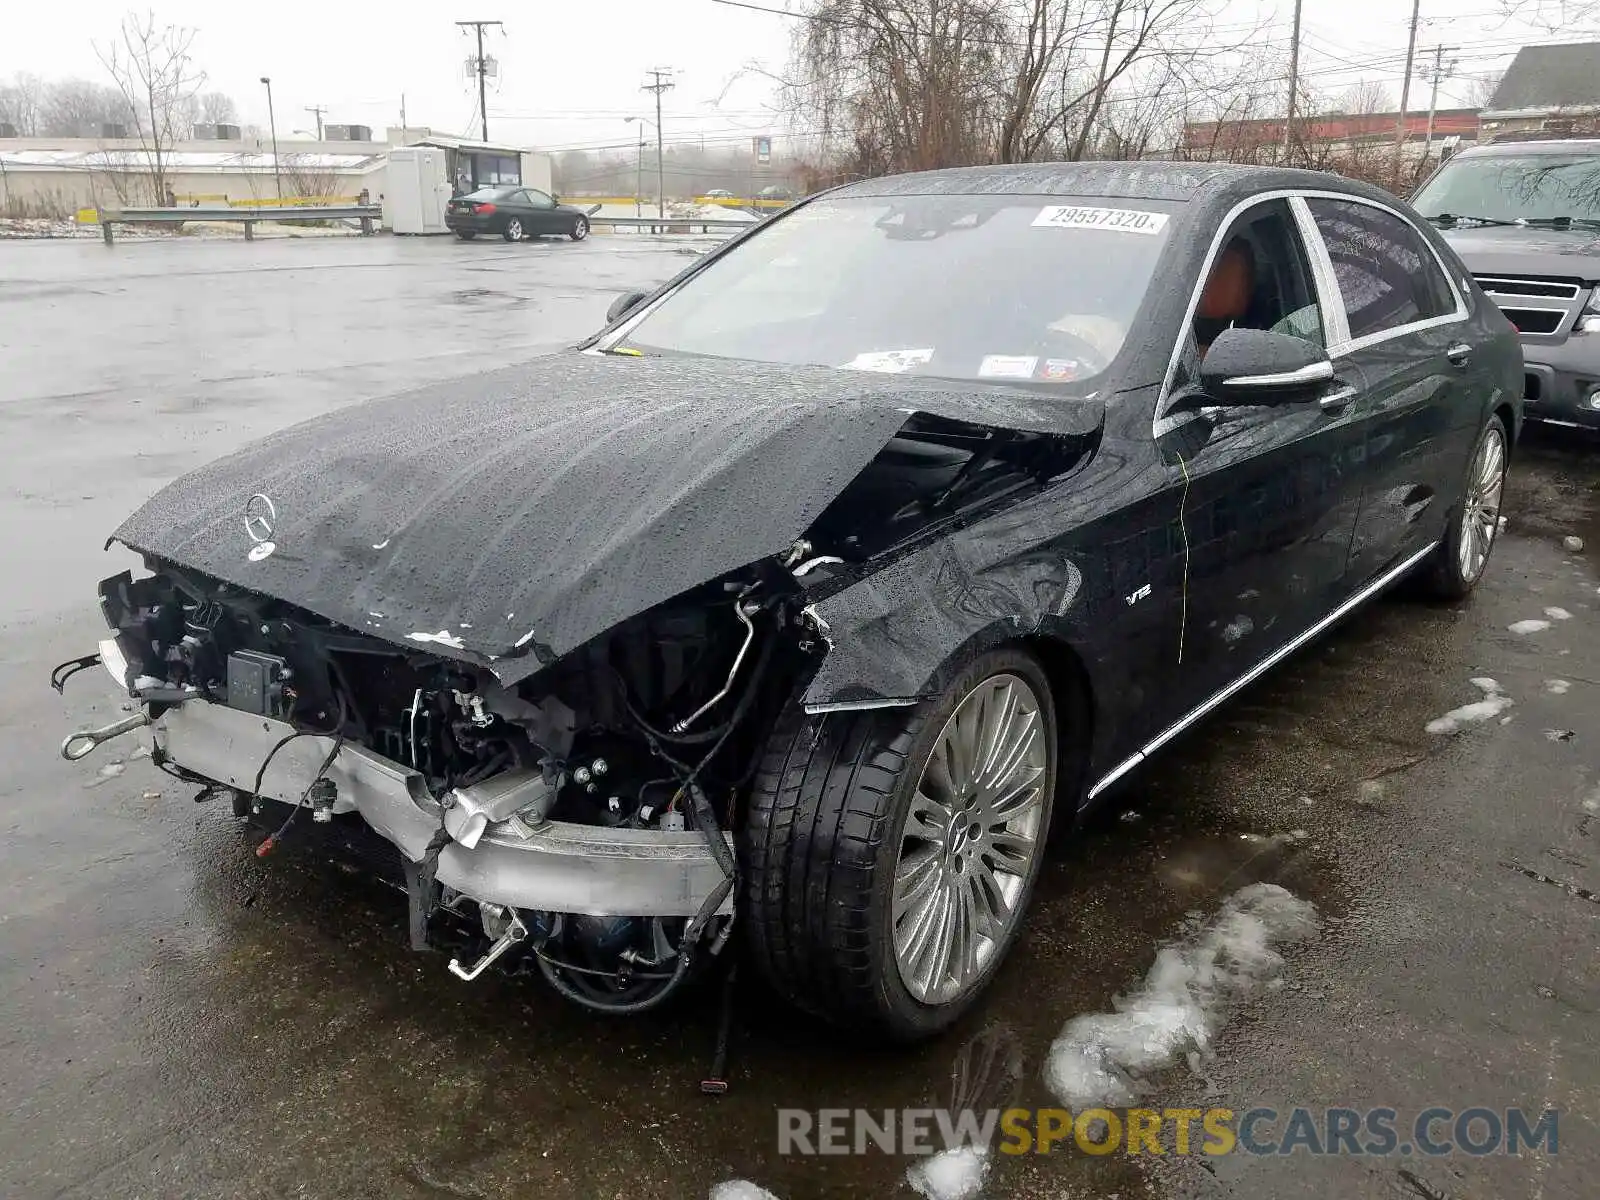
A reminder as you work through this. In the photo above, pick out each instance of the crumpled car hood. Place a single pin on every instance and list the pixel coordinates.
(509, 517)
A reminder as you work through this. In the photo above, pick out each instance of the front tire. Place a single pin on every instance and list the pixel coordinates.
(890, 854)
(513, 230)
(579, 230)
(1457, 565)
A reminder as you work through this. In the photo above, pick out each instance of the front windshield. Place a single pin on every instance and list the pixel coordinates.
(1529, 187)
(1007, 288)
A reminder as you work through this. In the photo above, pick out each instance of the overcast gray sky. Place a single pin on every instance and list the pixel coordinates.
(570, 73)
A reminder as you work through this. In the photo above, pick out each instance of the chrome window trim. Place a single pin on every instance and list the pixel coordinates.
(1459, 313)
(1334, 315)
(1335, 321)
(1255, 672)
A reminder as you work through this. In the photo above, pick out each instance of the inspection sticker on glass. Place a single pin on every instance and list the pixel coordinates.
(891, 362)
(1118, 220)
(1007, 366)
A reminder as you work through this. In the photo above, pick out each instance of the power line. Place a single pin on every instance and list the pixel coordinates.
(481, 65)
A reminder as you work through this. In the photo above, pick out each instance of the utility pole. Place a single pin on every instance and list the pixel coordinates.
(661, 81)
(317, 110)
(482, 67)
(1294, 80)
(402, 114)
(1433, 100)
(638, 181)
(1405, 87)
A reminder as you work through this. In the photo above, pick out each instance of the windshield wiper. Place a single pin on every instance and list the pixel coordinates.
(1562, 222)
(1457, 219)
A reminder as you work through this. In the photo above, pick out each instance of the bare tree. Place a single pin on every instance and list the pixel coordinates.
(1481, 89)
(1552, 15)
(910, 84)
(216, 108)
(1367, 98)
(79, 108)
(158, 79)
(19, 103)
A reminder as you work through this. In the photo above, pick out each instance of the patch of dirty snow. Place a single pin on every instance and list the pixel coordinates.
(956, 1174)
(443, 638)
(1557, 687)
(1184, 1002)
(1528, 626)
(1574, 544)
(1494, 703)
(740, 1189)
(381, 545)
(1558, 614)
(1591, 802)
(1559, 735)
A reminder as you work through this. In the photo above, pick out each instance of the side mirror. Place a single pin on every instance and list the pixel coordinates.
(623, 305)
(1254, 366)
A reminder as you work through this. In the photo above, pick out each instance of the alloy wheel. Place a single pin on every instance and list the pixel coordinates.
(580, 229)
(1480, 512)
(514, 230)
(971, 840)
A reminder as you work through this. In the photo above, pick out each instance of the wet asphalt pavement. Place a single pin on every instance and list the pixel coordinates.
(185, 1019)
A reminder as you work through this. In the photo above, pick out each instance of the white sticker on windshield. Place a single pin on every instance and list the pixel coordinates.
(1119, 220)
(1008, 366)
(890, 362)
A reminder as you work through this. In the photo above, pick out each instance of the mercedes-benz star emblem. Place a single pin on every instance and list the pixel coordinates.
(260, 518)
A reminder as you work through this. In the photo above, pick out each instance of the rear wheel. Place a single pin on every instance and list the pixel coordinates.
(890, 854)
(1457, 565)
(579, 230)
(513, 230)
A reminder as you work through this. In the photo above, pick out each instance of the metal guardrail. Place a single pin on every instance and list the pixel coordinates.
(704, 224)
(365, 213)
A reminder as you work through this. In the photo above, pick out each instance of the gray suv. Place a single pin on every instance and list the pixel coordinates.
(1525, 218)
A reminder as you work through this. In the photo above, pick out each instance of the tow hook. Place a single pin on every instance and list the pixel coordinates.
(81, 744)
(514, 932)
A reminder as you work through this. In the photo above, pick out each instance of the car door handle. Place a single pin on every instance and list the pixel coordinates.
(1336, 399)
(1459, 354)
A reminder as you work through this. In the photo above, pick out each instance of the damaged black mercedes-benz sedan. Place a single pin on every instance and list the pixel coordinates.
(799, 604)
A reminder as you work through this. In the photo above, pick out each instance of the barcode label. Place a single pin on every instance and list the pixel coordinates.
(1118, 220)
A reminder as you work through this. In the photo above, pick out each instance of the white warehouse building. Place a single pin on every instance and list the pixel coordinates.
(54, 177)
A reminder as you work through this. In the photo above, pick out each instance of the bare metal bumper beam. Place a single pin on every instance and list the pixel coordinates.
(557, 866)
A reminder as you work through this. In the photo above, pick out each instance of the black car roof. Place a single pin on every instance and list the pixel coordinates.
(1174, 181)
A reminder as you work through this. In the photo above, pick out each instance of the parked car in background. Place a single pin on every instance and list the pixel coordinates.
(824, 581)
(1525, 217)
(514, 213)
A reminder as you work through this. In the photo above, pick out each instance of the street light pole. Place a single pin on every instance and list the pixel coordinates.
(638, 174)
(272, 123)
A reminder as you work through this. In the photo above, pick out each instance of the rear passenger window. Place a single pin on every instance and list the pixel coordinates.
(1386, 272)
